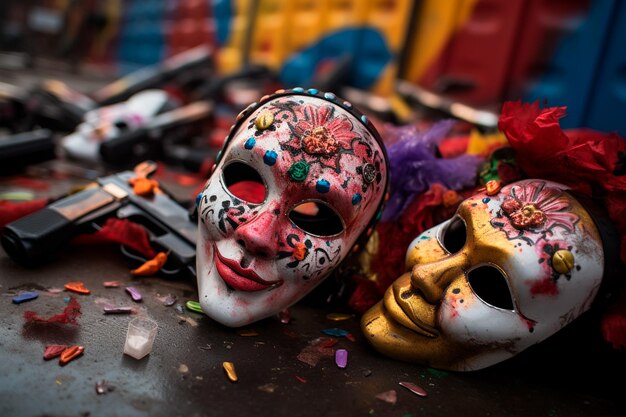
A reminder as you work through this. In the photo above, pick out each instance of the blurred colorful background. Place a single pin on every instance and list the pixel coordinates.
(475, 52)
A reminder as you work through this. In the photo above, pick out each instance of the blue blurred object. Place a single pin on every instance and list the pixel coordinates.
(607, 102)
(366, 46)
(584, 72)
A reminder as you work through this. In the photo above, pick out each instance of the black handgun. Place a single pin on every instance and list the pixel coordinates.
(30, 240)
(149, 141)
(23, 149)
(153, 76)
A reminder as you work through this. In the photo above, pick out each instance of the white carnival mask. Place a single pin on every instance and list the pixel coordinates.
(301, 177)
(506, 272)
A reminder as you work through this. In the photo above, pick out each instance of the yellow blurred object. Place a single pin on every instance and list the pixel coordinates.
(282, 28)
(436, 22)
(481, 144)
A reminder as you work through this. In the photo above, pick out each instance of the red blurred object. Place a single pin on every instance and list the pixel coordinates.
(11, 211)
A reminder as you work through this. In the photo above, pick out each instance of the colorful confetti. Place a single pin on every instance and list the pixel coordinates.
(78, 287)
(414, 388)
(335, 332)
(118, 310)
(134, 294)
(339, 316)
(52, 351)
(388, 396)
(194, 306)
(229, 367)
(70, 353)
(25, 296)
(341, 358)
(151, 266)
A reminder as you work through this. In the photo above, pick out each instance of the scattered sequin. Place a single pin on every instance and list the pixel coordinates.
(78, 287)
(229, 367)
(341, 358)
(134, 294)
(70, 353)
(117, 310)
(52, 351)
(25, 296)
(335, 332)
(388, 396)
(112, 284)
(194, 306)
(414, 388)
(339, 316)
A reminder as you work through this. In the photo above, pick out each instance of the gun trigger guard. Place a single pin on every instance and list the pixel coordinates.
(128, 212)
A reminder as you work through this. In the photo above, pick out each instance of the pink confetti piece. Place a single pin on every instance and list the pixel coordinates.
(52, 351)
(341, 358)
(415, 389)
(134, 293)
(388, 396)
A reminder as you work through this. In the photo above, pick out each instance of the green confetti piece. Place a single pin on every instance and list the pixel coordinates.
(194, 306)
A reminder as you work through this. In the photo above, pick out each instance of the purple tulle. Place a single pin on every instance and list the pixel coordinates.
(414, 165)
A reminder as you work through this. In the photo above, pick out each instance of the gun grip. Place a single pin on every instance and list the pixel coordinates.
(31, 239)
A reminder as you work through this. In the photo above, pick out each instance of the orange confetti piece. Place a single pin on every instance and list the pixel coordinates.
(229, 367)
(77, 286)
(493, 187)
(143, 186)
(151, 266)
(70, 353)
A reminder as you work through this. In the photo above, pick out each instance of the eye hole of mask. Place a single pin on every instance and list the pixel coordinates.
(316, 218)
(454, 235)
(244, 182)
(490, 285)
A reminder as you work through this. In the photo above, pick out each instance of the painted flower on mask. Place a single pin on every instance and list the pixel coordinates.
(320, 135)
(534, 209)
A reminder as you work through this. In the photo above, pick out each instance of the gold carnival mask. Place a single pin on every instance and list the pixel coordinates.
(507, 271)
